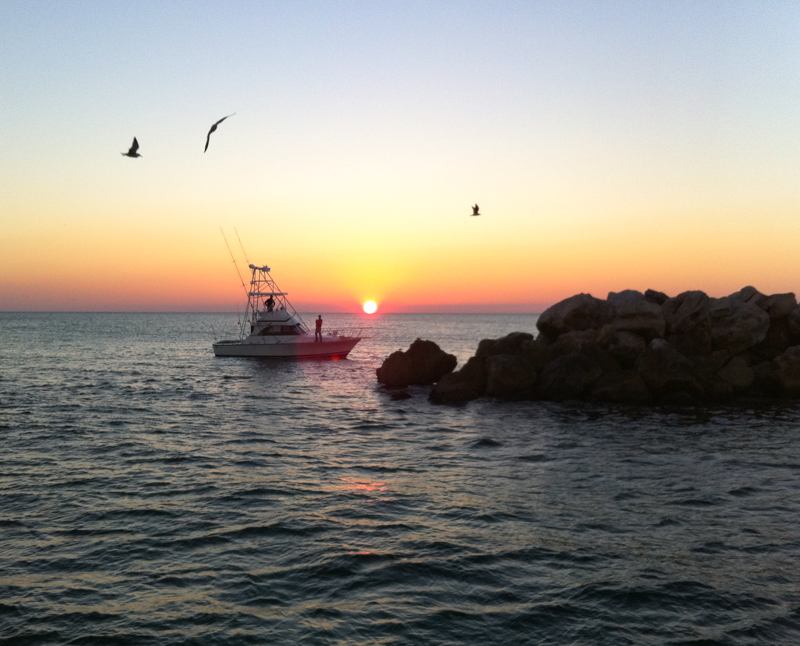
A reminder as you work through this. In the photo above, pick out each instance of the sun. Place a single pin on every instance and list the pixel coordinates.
(370, 307)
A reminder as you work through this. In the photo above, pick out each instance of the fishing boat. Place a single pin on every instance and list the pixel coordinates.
(272, 328)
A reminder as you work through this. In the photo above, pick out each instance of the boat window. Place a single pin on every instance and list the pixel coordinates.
(272, 330)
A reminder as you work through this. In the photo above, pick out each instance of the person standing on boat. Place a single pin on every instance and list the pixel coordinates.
(318, 331)
(270, 303)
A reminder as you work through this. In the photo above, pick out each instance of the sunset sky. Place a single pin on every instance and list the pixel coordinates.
(610, 145)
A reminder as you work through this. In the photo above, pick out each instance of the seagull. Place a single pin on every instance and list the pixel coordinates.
(132, 152)
(213, 128)
(475, 210)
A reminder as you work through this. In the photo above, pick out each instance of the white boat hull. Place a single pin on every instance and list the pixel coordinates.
(299, 347)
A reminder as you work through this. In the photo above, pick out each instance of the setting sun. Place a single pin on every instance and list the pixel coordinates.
(370, 307)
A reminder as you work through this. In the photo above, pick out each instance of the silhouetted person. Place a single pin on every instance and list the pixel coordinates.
(270, 303)
(318, 331)
(132, 151)
(475, 210)
(213, 128)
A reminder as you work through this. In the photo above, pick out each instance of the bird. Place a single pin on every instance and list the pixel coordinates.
(132, 152)
(475, 210)
(213, 128)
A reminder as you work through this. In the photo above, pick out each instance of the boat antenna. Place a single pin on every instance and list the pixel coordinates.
(234, 262)
(241, 245)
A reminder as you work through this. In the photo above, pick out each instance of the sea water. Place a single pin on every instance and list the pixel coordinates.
(151, 493)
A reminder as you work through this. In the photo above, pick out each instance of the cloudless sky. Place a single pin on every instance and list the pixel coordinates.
(610, 145)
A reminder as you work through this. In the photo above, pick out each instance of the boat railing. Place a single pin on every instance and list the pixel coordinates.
(350, 332)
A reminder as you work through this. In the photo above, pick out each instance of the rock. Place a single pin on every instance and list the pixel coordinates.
(766, 381)
(705, 369)
(568, 377)
(719, 389)
(794, 322)
(536, 353)
(625, 297)
(751, 295)
(623, 387)
(509, 344)
(736, 325)
(509, 377)
(788, 371)
(779, 337)
(666, 370)
(678, 398)
(779, 305)
(579, 312)
(659, 298)
(398, 394)
(424, 363)
(461, 386)
(738, 374)
(574, 341)
(688, 324)
(641, 317)
(626, 347)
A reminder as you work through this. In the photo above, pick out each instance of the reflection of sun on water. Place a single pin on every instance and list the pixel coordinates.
(370, 307)
(364, 486)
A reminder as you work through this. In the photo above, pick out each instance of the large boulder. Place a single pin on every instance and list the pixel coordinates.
(766, 381)
(736, 324)
(424, 363)
(509, 377)
(623, 387)
(536, 353)
(575, 341)
(659, 298)
(794, 322)
(779, 305)
(738, 374)
(461, 386)
(788, 371)
(579, 312)
(778, 338)
(687, 322)
(640, 317)
(625, 297)
(751, 295)
(508, 344)
(568, 377)
(665, 370)
(626, 347)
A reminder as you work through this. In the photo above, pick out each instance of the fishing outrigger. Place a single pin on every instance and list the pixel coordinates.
(276, 329)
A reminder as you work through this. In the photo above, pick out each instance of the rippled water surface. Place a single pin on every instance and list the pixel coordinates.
(151, 493)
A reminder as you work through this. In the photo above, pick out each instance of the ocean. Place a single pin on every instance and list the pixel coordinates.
(153, 494)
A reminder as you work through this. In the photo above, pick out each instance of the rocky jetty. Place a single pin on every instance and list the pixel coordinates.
(641, 348)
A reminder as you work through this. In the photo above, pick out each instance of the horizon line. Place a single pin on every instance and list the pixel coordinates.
(320, 311)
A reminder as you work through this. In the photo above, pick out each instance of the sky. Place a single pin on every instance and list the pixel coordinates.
(610, 145)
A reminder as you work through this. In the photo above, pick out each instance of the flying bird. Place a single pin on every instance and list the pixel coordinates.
(213, 128)
(475, 210)
(132, 152)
